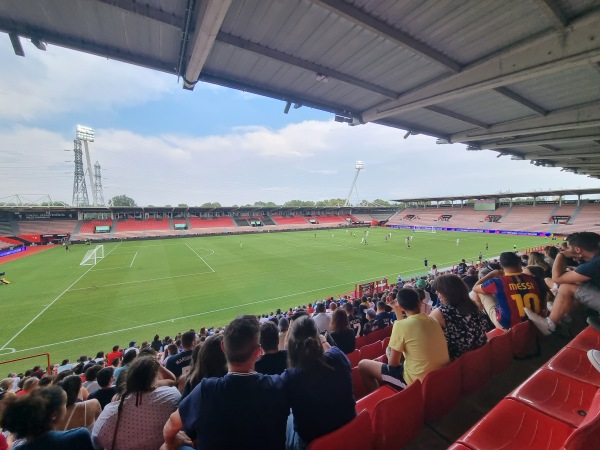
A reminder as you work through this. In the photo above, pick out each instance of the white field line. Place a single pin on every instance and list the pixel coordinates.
(109, 268)
(138, 281)
(134, 256)
(51, 303)
(199, 257)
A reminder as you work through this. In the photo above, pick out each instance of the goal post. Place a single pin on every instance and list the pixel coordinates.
(92, 257)
(424, 229)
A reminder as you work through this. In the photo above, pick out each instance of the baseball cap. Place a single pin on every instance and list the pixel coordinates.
(421, 284)
(132, 343)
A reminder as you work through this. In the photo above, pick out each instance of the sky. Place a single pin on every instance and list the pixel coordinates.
(162, 145)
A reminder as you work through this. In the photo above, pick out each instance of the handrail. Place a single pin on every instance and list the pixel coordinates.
(49, 368)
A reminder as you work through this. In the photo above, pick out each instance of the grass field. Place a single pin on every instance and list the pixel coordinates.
(143, 288)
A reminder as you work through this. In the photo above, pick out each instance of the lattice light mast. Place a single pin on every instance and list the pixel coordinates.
(360, 165)
(80, 194)
(86, 134)
(99, 195)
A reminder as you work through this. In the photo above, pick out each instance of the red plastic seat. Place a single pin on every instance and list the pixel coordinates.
(501, 351)
(440, 392)
(397, 419)
(586, 340)
(369, 402)
(371, 351)
(357, 384)
(385, 343)
(354, 358)
(373, 336)
(355, 435)
(524, 340)
(387, 331)
(557, 395)
(476, 368)
(586, 436)
(458, 446)
(574, 363)
(382, 359)
(360, 342)
(513, 425)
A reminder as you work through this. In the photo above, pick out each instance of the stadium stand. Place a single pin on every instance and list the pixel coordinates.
(329, 219)
(90, 226)
(47, 226)
(527, 218)
(141, 225)
(196, 222)
(586, 219)
(293, 220)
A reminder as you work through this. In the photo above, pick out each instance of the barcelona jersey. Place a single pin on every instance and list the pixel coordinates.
(514, 292)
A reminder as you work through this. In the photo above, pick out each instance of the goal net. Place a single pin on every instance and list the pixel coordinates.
(92, 257)
(424, 229)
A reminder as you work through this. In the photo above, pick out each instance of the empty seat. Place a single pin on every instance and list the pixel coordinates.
(354, 358)
(355, 435)
(524, 340)
(440, 392)
(385, 343)
(397, 419)
(361, 341)
(357, 384)
(574, 363)
(586, 340)
(586, 435)
(501, 351)
(513, 425)
(476, 368)
(371, 351)
(369, 402)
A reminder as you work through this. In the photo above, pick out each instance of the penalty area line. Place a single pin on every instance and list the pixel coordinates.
(196, 253)
(50, 304)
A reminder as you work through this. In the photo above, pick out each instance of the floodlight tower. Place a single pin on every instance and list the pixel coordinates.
(360, 165)
(86, 134)
(99, 195)
(80, 195)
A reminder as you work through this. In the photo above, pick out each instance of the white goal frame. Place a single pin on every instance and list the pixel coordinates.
(92, 257)
(424, 229)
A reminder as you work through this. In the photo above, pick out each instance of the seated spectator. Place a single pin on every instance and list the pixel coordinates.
(504, 293)
(180, 364)
(581, 284)
(314, 365)
(537, 259)
(353, 320)
(29, 384)
(283, 326)
(370, 325)
(90, 384)
(417, 346)
(274, 361)
(471, 278)
(382, 316)
(128, 357)
(464, 325)
(156, 343)
(116, 353)
(242, 410)
(107, 391)
(545, 283)
(136, 421)
(210, 362)
(65, 365)
(32, 418)
(550, 252)
(341, 333)
(79, 413)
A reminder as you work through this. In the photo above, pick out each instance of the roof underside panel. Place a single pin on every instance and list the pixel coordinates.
(563, 89)
(429, 119)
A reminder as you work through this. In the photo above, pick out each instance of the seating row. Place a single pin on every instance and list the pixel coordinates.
(557, 407)
(380, 413)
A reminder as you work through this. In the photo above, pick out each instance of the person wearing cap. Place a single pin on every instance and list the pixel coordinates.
(425, 296)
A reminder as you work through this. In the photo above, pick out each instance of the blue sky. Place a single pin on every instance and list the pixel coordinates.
(160, 144)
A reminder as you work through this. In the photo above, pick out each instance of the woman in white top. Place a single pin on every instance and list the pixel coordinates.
(79, 413)
(136, 421)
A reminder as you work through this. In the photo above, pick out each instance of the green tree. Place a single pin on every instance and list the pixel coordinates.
(297, 203)
(182, 205)
(211, 205)
(121, 200)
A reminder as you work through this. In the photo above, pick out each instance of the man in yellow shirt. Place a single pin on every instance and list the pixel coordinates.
(417, 346)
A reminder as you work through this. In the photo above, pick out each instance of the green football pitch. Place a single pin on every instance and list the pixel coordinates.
(147, 287)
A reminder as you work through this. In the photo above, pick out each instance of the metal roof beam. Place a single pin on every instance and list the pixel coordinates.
(571, 118)
(553, 13)
(364, 20)
(79, 44)
(298, 62)
(521, 100)
(546, 138)
(147, 11)
(541, 55)
(457, 116)
(203, 38)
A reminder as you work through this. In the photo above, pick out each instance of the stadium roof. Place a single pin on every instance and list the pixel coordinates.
(519, 77)
(534, 194)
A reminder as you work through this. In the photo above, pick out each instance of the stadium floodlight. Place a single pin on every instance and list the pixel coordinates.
(84, 133)
(359, 165)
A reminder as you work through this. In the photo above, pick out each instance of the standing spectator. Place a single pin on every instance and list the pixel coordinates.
(464, 325)
(107, 391)
(32, 419)
(180, 364)
(504, 294)
(274, 361)
(417, 346)
(341, 333)
(135, 422)
(314, 364)
(581, 284)
(242, 410)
